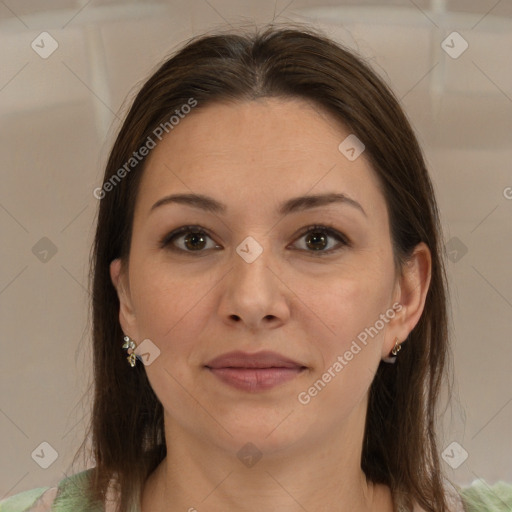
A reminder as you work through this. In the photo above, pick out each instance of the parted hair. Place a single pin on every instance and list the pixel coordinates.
(400, 447)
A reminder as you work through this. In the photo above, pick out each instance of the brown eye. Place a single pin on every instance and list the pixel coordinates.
(195, 241)
(318, 239)
(188, 239)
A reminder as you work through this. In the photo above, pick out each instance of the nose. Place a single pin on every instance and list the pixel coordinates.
(254, 294)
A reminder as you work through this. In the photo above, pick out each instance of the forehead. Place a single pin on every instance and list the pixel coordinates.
(254, 153)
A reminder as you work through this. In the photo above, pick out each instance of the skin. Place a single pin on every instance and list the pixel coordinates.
(252, 156)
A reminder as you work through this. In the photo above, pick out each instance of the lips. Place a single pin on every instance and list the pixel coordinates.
(264, 359)
(254, 372)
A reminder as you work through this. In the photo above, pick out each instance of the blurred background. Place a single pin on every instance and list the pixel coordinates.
(68, 72)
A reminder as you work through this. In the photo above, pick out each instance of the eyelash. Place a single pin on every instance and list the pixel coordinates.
(167, 240)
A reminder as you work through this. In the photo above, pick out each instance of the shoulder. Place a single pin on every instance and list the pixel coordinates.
(69, 495)
(480, 496)
(24, 500)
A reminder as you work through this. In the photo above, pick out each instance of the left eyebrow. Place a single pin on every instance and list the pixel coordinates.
(295, 204)
(302, 203)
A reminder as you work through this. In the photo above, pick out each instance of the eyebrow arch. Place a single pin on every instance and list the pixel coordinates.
(295, 204)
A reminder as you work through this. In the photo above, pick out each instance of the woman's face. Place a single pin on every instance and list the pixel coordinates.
(259, 278)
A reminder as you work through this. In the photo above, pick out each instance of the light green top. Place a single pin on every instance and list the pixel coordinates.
(70, 497)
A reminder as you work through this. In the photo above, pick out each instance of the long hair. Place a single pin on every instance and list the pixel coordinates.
(400, 448)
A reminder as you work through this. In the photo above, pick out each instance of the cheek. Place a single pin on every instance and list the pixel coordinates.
(348, 356)
(172, 312)
(344, 306)
(169, 307)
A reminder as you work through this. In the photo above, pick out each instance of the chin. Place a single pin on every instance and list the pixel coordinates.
(259, 433)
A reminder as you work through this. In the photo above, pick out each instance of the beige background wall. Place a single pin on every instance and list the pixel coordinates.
(58, 118)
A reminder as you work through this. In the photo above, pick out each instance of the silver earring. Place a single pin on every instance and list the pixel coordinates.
(130, 346)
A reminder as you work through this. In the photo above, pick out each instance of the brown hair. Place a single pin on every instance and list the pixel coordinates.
(400, 447)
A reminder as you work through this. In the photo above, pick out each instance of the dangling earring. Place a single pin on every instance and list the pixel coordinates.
(394, 351)
(129, 344)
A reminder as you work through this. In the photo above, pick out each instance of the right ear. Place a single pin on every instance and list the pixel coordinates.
(127, 317)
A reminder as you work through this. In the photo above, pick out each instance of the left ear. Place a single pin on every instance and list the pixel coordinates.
(411, 292)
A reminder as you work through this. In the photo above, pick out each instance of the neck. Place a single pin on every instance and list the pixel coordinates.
(196, 475)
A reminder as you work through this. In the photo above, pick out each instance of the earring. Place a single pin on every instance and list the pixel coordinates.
(394, 351)
(130, 345)
(396, 348)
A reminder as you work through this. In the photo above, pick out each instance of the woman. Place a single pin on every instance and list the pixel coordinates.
(269, 254)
